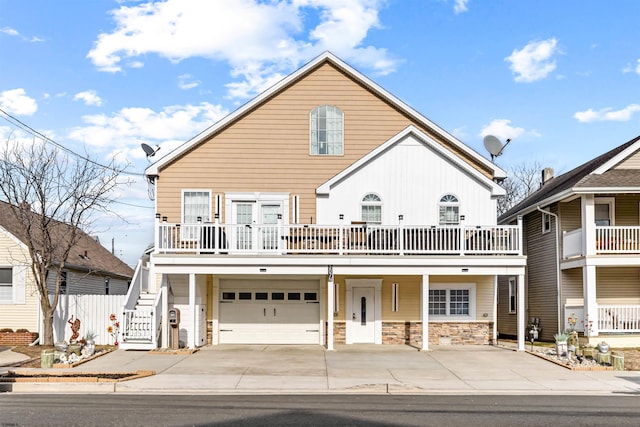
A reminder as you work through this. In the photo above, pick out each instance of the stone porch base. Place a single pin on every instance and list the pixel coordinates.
(440, 333)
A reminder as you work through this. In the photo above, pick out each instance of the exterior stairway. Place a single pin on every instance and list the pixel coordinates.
(140, 327)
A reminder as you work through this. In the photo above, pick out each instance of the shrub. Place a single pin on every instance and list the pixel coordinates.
(6, 330)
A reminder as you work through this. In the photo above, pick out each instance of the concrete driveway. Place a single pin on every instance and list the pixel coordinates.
(357, 368)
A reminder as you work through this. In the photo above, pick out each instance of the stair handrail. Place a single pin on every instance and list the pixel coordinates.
(134, 289)
(156, 319)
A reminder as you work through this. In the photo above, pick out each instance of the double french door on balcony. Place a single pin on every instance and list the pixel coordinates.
(260, 220)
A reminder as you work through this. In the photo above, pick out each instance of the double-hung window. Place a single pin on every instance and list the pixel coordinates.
(452, 301)
(196, 207)
(6, 284)
(326, 131)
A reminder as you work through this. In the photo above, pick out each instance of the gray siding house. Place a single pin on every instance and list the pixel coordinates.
(581, 235)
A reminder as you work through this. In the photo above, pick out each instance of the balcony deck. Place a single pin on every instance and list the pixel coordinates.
(353, 239)
(608, 240)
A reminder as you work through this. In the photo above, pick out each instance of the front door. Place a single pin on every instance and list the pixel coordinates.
(363, 315)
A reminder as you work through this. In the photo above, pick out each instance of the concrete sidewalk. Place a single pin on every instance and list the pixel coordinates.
(251, 369)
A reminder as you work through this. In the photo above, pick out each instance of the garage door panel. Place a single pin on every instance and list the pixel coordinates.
(258, 321)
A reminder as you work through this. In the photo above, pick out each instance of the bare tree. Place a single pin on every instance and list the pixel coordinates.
(522, 180)
(54, 197)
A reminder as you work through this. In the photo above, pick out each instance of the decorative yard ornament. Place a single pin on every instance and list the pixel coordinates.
(75, 327)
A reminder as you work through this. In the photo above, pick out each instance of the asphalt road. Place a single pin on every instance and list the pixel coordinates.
(317, 410)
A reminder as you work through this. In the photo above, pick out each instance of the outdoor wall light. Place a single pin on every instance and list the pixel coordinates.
(158, 216)
(164, 219)
(400, 217)
(341, 217)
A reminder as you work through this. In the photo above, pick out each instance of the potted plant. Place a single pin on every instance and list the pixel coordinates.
(90, 343)
(561, 343)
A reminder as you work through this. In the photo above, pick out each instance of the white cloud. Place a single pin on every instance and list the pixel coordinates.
(17, 102)
(460, 6)
(534, 61)
(123, 132)
(631, 69)
(9, 31)
(186, 82)
(89, 97)
(607, 114)
(258, 39)
(502, 129)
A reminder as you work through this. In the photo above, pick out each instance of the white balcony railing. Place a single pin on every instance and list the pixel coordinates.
(614, 239)
(337, 239)
(619, 318)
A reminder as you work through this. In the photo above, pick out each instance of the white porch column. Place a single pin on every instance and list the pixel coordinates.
(495, 310)
(587, 203)
(191, 331)
(165, 311)
(521, 319)
(330, 309)
(424, 311)
(590, 305)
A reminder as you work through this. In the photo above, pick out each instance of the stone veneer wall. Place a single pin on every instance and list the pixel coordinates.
(443, 333)
(440, 333)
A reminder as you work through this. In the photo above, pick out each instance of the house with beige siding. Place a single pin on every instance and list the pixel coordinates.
(324, 211)
(581, 234)
(90, 269)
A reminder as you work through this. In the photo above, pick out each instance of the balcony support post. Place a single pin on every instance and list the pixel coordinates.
(424, 312)
(591, 327)
(521, 312)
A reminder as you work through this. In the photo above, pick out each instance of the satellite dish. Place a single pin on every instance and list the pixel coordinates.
(149, 151)
(494, 146)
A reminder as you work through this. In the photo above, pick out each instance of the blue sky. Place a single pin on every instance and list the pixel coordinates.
(561, 79)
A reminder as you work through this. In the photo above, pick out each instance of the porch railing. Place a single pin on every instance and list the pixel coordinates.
(338, 239)
(619, 318)
(614, 239)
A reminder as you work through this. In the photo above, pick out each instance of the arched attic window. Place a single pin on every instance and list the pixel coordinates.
(371, 209)
(449, 210)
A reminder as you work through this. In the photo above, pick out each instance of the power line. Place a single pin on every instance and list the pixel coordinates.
(25, 127)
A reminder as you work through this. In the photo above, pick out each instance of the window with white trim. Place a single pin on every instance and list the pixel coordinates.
(372, 209)
(546, 222)
(196, 204)
(326, 131)
(6, 284)
(449, 210)
(513, 295)
(455, 301)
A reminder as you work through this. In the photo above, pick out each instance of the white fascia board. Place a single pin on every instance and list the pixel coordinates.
(617, 158)
(542, 203)
(600, 190)
(154, 169)
(496, 190)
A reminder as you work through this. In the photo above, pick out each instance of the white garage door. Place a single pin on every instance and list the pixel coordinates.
(269, 312)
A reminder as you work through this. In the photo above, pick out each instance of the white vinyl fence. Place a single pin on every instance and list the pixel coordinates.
(93, 312)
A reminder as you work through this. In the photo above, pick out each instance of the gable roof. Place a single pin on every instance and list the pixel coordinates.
(98, 259)
(326, 57)
(496, 190)
(593, 176)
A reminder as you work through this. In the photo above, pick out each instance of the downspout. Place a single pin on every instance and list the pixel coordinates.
(558, 290)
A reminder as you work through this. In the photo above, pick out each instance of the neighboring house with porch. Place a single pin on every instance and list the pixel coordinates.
(323, 211)
(90, 269)
(582, 241)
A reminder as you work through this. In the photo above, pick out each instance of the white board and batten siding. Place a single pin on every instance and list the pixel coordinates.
(410, 177)
(93, 312)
